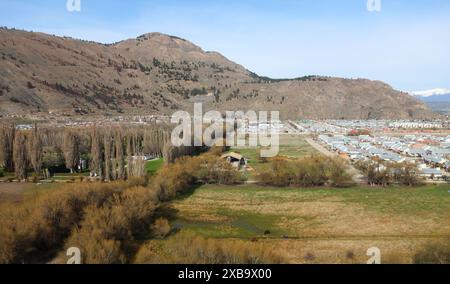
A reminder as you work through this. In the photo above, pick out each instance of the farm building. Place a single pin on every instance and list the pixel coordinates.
(235, 159)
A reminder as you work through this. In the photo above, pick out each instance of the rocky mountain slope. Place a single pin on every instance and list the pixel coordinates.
(158, 74)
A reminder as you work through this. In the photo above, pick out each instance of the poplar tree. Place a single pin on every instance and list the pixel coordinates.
(107, 144)
(71, 150)
(7, 134)
(96, 164)
(35, 150)
(120, 160)
(20, 156)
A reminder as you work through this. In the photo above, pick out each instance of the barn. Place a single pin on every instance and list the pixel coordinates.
(235, 159)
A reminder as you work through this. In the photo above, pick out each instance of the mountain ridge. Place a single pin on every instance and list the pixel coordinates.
(158, 74)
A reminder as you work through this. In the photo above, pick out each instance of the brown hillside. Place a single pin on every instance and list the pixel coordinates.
(157, 74)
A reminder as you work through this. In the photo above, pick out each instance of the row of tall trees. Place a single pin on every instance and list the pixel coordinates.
(20, 151)
(112, 153)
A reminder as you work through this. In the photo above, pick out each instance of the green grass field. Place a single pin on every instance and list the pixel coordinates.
(153, 166)
(291, 146)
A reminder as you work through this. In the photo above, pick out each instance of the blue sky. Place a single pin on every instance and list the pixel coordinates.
(407, 44)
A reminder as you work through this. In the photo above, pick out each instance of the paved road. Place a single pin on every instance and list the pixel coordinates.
(357, 175)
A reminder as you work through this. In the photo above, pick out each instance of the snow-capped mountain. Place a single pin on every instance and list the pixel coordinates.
(434, 95)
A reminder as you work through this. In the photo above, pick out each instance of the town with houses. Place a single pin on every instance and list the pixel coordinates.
(387, 141)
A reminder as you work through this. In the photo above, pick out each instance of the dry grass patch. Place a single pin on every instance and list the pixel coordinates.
(194, 249)
(348, 251)
(322, 225)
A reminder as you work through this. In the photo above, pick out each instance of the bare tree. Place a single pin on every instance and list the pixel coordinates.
(20, 156)
(129, 155)
(96, 153)
(108, 156)
(71, 150)
(119, 156)
(35, 150)
(7, 134)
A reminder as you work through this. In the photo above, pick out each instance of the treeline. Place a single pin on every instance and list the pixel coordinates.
(312, 171)
(385, 174)
(110, 153)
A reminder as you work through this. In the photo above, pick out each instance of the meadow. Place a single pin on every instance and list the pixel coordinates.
(282, 225)
(291, 146)
(315, 225)
(320, 225)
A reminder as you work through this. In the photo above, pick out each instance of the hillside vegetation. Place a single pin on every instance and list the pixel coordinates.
(158, 74)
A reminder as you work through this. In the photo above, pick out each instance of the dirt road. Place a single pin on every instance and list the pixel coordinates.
(320, 148)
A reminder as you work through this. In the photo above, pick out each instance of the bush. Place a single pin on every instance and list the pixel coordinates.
(437, 253)
(337, 173)
(161, 228)
(31, 230)
(281, 173)
(182, 175)
(173, 179)
(307, 172)
(2, 172)
(191, 249)
(213, 170)
(96, 238)
(98, 250)
(384, 174)
(124, 218)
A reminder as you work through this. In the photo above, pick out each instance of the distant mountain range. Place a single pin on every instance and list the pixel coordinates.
(437, 99)
(434, 95)
(159, 74)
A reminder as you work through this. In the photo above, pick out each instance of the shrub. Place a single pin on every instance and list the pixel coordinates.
(307, 172)
(172, 179)
(96, 238)
(191, 249)
(436, 253)
(406, 174)
(97, 250)
(161, 228)
(123, 218)
(137, 181)
(185, 172)
(2, 172)
(33, 229)
(213, 170)
(281, 173)
(337, 174)
(387, 173)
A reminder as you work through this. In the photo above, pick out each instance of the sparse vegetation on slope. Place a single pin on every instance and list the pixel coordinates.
(157, 74)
